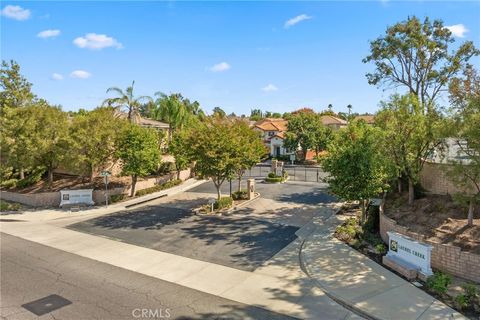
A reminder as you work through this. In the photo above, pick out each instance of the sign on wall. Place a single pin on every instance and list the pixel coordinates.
(411, 251)
(82, 196)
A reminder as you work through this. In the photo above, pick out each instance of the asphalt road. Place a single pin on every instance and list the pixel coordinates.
(30, 271)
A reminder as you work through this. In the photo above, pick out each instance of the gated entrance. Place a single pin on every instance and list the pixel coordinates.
(295, 172)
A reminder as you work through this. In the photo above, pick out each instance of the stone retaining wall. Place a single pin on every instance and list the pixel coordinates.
(447, 258)
(52, 199)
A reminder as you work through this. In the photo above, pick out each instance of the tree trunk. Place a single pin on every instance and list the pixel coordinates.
(364, 210)
(50, 177)
(22, 173)
(92, 171)
(399, 185)
(411, 191)
(134, 184)
(219, 193)
(239, 183)
(178, 173)
(471, 208)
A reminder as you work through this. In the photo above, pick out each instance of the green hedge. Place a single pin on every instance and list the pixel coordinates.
(224, 202)
(117, 197)
(240, 195)
(159, 187)
(7, 206)
(274, 180)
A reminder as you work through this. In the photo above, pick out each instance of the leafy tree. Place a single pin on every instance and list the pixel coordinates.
(410, 137)
(179, 148)
(466, 172)
(219, 148)
(172, 110)
(137, 147)
(306, 130)
(256, 114)
(416, 55)
(50, 137)
(218, 112)
(93, 136)
(127, 100)
(250, 149)
(463, 89)
(16, 90)
(357, 171)
(276, 115)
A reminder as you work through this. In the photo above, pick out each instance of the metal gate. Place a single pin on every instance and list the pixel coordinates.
(295, 172)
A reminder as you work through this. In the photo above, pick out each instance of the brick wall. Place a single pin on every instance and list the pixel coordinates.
(52, 199)
(447, 258)
(434, 179)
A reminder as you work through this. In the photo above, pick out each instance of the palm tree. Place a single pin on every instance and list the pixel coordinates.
(330, 107)
(171, 109)
(349, 109)
(126, 100)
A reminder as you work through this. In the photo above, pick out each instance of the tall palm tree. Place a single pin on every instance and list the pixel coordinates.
(349, 109)
(171, 109)
(126, 100)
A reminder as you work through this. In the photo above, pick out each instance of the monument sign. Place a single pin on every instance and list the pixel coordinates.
(82, 196)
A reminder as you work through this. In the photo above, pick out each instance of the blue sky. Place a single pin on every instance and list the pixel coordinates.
(277, 56)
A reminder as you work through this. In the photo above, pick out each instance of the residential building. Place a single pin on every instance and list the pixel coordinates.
(333, 122)
(369, 119)
(273, 135)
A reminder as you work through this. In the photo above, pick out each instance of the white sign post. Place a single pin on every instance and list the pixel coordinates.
(410, 251)
(83, 196)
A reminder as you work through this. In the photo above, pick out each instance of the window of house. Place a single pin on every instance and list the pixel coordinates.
(271, 133)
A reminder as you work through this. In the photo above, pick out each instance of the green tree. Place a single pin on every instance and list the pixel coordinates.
(410, 137)
(16, 90)
(305, 129)
(50, 137)
(218, 112)
(256, 114)
(250, 149)
(93, 136)
(127, 100)
(216, 145)
(137, 147)
(179, 148)
(174, 110)
(416, 55)
(357, 171)
(465, 128)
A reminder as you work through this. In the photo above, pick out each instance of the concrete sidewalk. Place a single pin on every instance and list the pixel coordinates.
(354, 280)
(279, 285)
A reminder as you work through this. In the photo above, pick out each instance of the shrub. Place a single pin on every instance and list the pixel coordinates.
(274, 180)
(166, 168)
(272, 175)
(348, 231)
(240, 195)
(117, 197)
(373, 219)
(224, 202)
(159, 187)
(34, 177)
(7, 206)
(10, 183)
(439, 282)
(380, 248)
(469, 297)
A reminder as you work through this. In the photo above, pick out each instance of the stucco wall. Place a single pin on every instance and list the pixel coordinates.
(447, 258)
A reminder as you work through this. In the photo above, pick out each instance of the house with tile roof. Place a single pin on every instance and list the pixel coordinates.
(273, 135)
(369, 119)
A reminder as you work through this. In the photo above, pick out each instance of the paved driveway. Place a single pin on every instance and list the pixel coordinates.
(244, 240)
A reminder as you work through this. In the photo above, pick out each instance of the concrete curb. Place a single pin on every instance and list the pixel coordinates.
(304, 266)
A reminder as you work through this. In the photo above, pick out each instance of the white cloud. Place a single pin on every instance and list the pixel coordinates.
(458, 30)
(219, 67)
(56, 76)
(51, 33)
(95, 41)
(293, 21)
(16, 12)
(80, 74)
(270, 88)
